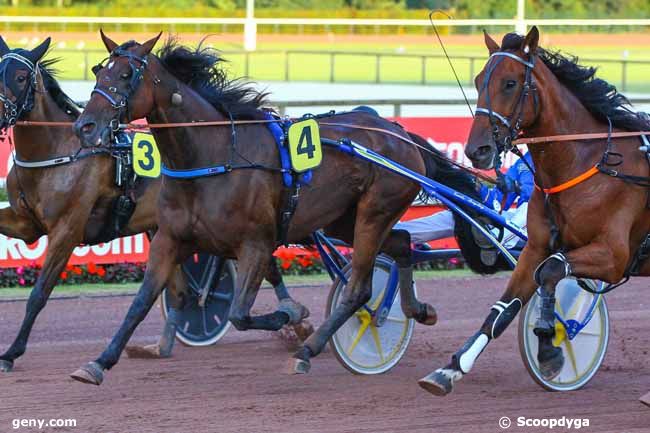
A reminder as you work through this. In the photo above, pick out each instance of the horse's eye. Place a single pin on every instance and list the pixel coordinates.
(96, 69)
(21, 78)
(510, 84)
(125, 76)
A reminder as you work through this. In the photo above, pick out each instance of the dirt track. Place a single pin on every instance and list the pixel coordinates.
(241, 385)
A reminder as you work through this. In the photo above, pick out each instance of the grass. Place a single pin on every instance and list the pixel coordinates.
(396, 67)
(290, 280)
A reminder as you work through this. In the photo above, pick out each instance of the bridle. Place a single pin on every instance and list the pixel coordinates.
(513, 122)
(120, 100)
(25, 99)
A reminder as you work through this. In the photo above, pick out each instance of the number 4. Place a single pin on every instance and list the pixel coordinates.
(305, 144)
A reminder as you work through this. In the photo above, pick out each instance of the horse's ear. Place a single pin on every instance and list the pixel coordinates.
(37, 53)
(529, 46)
(146, 48)
(108, 42)
(491, 45)
(4, 48)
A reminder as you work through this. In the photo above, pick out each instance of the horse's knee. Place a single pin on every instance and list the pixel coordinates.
(501, 315)
(554, 268)
(359, 297)
(398, 246)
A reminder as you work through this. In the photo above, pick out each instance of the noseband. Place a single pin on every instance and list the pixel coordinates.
(510, 122)
(25, 99)
(120, 100)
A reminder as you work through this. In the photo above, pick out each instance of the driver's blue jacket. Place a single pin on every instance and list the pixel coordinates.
(520, 173)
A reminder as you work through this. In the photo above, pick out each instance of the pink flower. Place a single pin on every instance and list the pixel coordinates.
(20, 270)
(21, 281)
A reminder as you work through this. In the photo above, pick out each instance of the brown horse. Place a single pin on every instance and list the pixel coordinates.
(590, 216)
(236, 214)
(48, 198)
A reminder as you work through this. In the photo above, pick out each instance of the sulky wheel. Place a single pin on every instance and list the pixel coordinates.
(585, 351)
(364, 345)
(204, 319)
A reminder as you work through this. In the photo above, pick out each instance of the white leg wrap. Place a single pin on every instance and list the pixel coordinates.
(466, 360)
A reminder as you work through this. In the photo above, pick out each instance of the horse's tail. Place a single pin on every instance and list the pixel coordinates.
(441, 170)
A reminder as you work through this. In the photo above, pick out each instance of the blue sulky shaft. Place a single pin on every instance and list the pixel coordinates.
(448, 196)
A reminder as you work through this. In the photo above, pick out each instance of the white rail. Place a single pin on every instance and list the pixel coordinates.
(322, 21)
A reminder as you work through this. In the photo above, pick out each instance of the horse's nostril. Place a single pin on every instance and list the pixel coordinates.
(88, 128)
(483, 150)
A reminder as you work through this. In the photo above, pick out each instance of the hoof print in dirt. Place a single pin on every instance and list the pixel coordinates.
(151, 351)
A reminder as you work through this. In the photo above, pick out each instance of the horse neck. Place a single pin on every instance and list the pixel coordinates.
(186, 147)
(562, 113)
(44, 142)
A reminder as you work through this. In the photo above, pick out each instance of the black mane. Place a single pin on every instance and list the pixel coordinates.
(63, 101)
(202, 70)
(597, 95)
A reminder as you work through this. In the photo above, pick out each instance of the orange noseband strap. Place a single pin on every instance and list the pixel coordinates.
(570, 183)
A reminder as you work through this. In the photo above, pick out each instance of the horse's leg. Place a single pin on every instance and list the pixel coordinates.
(520, 289)
(398, 246)
(294, 331)
(605, 261)
(17, 226)
(163, 259)
(294, 309)
(61, 244)
(253, 260)
(370, 230)
(163, 349)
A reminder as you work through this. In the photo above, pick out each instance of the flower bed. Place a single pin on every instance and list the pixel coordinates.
(291, 261)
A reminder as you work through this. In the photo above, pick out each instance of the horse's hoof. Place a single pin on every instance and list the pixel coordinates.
(303, 329)
(6, 366)
(289, 337)
(430, 317)
(551, 363)
(151, 351)
(440, 382)
(645, 399)
(91, 373)
(300, 366)
(294, 310)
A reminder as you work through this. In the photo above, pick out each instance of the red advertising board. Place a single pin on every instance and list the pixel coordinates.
(448, 134)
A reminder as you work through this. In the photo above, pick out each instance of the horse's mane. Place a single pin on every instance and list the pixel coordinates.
(601, 98)
(63, 101)
(202, 69)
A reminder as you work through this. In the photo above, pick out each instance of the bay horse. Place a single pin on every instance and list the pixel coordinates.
(50, 199)
(236, 214)
(589, 217)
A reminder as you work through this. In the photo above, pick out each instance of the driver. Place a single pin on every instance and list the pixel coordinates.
(515, 186)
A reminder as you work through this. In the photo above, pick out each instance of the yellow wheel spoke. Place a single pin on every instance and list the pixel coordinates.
(362, 330)
(375, 336)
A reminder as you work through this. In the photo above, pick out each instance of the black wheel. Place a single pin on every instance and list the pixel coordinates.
(204, 325)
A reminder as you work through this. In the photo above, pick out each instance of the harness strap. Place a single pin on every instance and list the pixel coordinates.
(59, 160)
(571, 182)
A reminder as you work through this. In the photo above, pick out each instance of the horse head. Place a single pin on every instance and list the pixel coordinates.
(124, 90)
(18, 74)
(507, 99)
